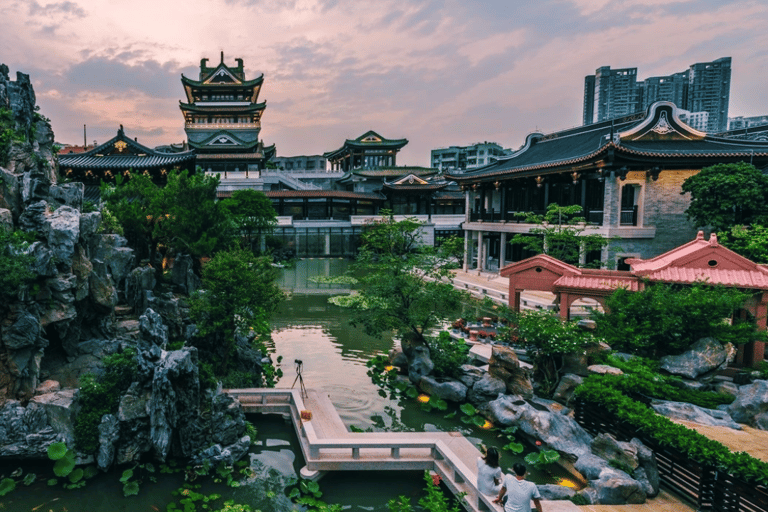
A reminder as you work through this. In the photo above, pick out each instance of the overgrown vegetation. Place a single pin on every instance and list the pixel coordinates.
(547, 340)
(448, 354)
(9, 134)
(15, 266)
(100, 395)
(238, 296)
(253, 215)
(667, 433)
(641, 378)
(434, 501)
(664, 319)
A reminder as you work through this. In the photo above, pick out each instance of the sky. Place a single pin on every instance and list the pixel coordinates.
(438, 73)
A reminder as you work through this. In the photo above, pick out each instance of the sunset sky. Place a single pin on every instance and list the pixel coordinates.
(438, 73)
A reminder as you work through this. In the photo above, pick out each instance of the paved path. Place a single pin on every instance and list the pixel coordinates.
(750, 440)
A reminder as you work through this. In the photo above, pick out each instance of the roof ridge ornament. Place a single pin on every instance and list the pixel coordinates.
(662, 126)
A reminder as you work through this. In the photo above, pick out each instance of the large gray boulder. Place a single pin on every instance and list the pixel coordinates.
(703, 356)
(419, 362)
(694, 413)
(615, 487)
(24, 431)
(558, 431)
(23, 333)
(751, 402)
(607, 447)
(469, 374)
(139, 281)
(175, 397)
(69, 194)
(486, 389)
(227, 419)
(226, 454)
(568, 384)
(89, 225)
(183, 274)
(648, 472)
(117, 257)
(555, 492)
(60, 410)
(64, 233)
(451, 390)
(101, 288)
(109, 435)
(34, 186)
(590, 466)
(505, 365)
(152, 328)
(34, 218)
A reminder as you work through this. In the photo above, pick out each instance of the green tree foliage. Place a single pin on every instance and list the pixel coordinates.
(404, 286)
(182, 216)
(15, 267)
(749, 241)
(561, 233)
(448, 354)
(100, 395)
(547, 340)
(663, 319)
(726, 195)
(237, 297)
(253, 214)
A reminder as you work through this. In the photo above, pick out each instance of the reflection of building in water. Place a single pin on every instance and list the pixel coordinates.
(222, 119)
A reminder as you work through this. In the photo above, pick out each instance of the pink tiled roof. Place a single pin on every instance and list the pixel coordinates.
(738, 278)
(597, 282)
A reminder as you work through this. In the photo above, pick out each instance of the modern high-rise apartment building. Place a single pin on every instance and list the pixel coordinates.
(466, 157)
(703, 87)
(740, 122)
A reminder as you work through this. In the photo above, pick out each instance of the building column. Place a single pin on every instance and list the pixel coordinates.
(327, 244)
(502, 250)
(565, 307)
(480, 252)
(467, 256)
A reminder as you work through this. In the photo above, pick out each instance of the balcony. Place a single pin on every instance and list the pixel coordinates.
(594, 217)
(628, 216)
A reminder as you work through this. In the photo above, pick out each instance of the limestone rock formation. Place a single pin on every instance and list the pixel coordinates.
(703, 356)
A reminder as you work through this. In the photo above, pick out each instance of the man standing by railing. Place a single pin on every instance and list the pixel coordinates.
(519, 492)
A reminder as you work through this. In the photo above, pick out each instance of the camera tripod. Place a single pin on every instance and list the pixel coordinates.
(299, 378)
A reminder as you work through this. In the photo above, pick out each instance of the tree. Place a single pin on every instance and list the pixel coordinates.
(182, 216)
(405, 286)
(749, 241)
(561, 234)
(726, 195)
(663, 319)
(252, 212)
(237, 297)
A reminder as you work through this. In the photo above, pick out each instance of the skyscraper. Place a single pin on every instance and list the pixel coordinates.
(709, 89)
(703, 87)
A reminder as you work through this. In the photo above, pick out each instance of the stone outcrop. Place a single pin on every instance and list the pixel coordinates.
(448, 389)
(694, 413)
(751, 404)
(505, 365)
(703, 356)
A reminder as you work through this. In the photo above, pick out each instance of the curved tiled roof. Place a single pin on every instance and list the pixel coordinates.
(134, 156)
(343, 194)
(658, 136)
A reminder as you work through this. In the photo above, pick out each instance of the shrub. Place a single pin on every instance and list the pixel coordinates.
(447, 354)
(664, 319)
(100, 395)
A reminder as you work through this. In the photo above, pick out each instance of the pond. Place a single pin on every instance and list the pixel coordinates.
(334, 355)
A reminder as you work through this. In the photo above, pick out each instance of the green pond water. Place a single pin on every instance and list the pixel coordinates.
(334, 355)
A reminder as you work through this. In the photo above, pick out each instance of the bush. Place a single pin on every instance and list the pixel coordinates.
(448, 355)
(663, 319)
(100, 395)
(667, 433)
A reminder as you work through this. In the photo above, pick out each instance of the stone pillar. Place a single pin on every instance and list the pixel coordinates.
(565, 307)
(467, 256)
(502, 250)
(480, 252)
(611, 201)
(327, 244)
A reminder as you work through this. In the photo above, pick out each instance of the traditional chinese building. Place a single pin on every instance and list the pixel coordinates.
(121, 155)
(368, 151)
(222, 119)
(626, 174)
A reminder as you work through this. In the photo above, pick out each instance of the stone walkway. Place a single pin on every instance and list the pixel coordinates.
(750, 440)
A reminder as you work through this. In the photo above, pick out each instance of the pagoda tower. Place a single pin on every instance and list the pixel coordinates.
(222, 119)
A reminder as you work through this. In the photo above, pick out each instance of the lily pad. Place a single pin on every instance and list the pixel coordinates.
(57, 451)
(64, 466)
(7, 485)
(76, 475)
(131, 489)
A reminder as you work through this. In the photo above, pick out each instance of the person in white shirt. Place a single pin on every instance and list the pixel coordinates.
(519, 492)
(489, 473)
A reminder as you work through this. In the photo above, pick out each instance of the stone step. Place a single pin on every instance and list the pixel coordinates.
(128, 327)
(123, 310)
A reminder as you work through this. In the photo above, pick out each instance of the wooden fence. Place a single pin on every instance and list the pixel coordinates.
(710, 489)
